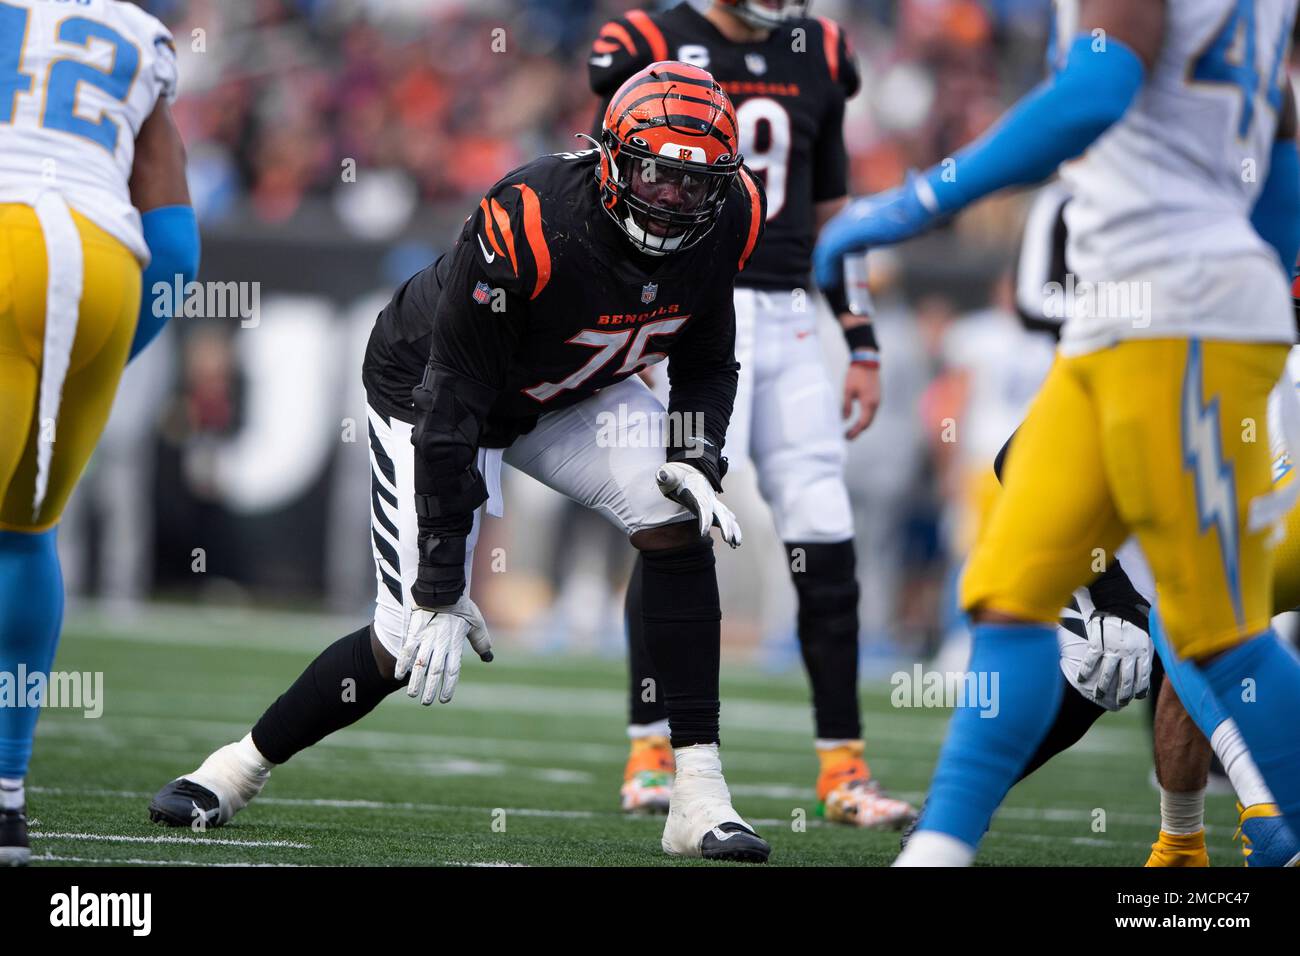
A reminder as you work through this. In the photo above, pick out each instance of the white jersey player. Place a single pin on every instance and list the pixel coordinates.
(92, 193)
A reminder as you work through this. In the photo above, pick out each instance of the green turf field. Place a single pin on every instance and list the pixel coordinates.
(522, 768)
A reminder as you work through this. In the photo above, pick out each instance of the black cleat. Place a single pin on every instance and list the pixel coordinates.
(735, 843)
(182, 802)
(15, 847)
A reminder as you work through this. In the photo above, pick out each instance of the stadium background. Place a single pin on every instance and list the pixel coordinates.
(336, 145)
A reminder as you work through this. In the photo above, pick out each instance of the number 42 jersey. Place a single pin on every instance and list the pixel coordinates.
(789, 92)
(77, 81)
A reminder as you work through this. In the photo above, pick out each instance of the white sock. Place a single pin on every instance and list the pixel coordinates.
(932, 848)
(1231, 750)
(12, 795)
(657, 729)
(1182, 813)
(250, 754)
(700, 759)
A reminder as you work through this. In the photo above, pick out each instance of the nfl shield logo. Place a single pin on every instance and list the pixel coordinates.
(482, 293)
(757, 65)
(649, 291)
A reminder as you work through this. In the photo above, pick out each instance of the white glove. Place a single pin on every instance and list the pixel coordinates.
(434, 640)
(1116, 668)
(689, 488)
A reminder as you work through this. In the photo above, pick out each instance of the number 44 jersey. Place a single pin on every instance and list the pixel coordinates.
(77, 81)
(789, 91)
(1164, 198)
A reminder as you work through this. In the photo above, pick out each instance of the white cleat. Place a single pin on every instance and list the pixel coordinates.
(223, 785)
(701, 821)
(932, 848)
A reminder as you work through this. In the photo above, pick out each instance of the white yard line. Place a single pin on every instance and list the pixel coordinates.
(197, 841)
(136, 861)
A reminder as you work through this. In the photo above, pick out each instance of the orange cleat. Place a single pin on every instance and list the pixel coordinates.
(850, 796)
(648, 776)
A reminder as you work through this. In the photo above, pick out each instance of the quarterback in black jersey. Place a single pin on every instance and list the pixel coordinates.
(522, 345)
(790, 77)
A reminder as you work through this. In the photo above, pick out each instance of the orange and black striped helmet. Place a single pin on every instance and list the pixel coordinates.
(669, 152)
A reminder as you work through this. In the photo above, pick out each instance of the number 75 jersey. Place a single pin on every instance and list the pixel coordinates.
(78, 78)
(789, 91)
(1177, 177)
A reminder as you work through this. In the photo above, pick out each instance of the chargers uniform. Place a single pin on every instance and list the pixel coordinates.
(1139, 426)
(81, 80)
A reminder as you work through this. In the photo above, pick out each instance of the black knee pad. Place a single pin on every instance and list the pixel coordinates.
(690, 573)
(825, 577)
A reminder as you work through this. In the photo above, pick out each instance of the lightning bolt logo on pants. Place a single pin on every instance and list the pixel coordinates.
(1216, 488)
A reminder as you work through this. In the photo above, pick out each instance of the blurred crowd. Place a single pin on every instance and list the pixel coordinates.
(442, 96)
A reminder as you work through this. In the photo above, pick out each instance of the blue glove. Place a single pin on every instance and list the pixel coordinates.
(880, 220)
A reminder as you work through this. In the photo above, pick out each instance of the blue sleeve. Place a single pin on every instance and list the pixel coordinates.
(1277, 210)
(172, 234)
(1053, 123)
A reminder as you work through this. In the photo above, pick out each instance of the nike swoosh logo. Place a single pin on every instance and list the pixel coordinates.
(603, 60)
(489, 256)
(725, 836)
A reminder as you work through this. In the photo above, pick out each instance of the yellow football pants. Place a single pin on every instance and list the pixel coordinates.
(110, 304)
(1162, 438)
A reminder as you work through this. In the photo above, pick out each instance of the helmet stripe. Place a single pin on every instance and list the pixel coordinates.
(653, 36)
(711, 111)
(536, 238)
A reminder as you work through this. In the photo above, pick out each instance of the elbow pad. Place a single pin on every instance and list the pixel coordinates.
(172, 235)
(448, 485)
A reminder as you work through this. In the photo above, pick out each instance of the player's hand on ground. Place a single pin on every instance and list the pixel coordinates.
(431, 651)
(689, 488)
(1117, 665)
(861, 388)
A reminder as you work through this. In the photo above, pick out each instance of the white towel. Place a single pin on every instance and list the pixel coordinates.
(64, 270)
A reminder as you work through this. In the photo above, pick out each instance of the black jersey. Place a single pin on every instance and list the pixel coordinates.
(543, 301)
(789, 92)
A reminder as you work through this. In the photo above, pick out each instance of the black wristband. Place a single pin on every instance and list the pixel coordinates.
(863, 347)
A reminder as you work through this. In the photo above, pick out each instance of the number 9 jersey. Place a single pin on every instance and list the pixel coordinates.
(789, 91)
(77, 81)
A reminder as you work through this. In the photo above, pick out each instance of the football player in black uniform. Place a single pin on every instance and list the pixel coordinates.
(789, 77)
(522, 345)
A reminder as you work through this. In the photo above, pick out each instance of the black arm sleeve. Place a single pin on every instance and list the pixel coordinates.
(702, 378)
(471, 346)
(830, 158)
